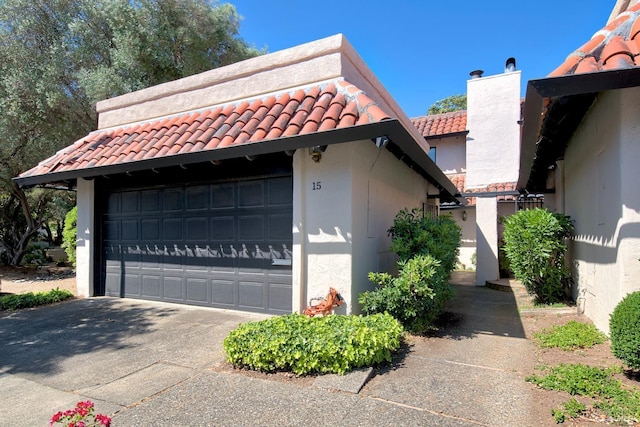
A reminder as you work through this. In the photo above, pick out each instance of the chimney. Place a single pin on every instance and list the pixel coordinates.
(510, 65)
(476, 74)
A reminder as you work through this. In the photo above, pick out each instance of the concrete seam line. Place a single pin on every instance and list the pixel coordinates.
(488, 368)
(440, 414)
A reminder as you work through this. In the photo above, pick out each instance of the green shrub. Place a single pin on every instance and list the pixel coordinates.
(571, 336)
(620, 403)
(534, 244)
(414, 233)
(28, 300)
(70, 235)
(624, 325)
(35, 255)
(303, 345)
(415, 297)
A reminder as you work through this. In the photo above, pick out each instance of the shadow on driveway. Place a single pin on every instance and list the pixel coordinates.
(39, 340)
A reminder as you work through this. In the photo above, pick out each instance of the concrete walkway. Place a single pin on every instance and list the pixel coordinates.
(150, 364)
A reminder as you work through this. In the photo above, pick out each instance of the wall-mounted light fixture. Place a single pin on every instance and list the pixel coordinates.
(316, 152)
(464, 215)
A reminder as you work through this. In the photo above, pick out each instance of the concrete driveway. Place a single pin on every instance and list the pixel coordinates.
(116, 352)
(151, 364)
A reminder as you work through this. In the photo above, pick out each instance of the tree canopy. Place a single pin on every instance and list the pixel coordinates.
(449, 104)
(59, 57)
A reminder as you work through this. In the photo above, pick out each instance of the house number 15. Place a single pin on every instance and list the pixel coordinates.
(316, 185)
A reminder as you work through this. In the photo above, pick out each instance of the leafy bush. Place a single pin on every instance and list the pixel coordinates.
(571, 336)
(70, 235)
(414, 233)
(534, 244)
(35, 255)
(624, 325)
(305, 345)
(415, 297)
(28, 300)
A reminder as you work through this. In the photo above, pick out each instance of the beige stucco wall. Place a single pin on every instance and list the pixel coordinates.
(468, 229)
(493, 142)
(486, 240)
(340, 227)
(451, 153)
(601, 195)
(86, 238)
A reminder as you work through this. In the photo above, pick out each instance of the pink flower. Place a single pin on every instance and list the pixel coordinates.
(80, 424)
(55, 418)
(104, 420)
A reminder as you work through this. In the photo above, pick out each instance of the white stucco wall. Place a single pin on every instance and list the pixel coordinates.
(601, 195)
(450, 153)
(486, 240)
(493, 142)
(86, 238)
(343, 207)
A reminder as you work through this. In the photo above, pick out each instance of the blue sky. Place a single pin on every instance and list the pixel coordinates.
(423, 51)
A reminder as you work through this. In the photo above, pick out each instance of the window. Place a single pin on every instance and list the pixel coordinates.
(432, 154)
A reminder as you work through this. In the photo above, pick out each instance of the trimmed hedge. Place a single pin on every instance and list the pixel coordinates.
(624, 325)
(304, 345)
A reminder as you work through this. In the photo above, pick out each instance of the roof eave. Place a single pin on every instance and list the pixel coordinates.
(552, 88)
(392, 128)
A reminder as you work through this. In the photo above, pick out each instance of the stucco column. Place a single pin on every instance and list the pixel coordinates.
(298, 268)
(85, 240)
(487, 240)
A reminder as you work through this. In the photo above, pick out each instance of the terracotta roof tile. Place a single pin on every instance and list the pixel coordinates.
(318, 108)
(459, 180)
(616, 46)
(435, 125)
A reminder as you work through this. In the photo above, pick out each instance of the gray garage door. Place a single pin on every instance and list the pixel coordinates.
(224, 245)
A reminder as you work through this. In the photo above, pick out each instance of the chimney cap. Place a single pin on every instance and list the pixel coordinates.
(476, 74)
(510, 65)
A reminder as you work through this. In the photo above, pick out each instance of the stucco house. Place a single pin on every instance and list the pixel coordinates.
(254, 186)
(478, 150)
(581, 146)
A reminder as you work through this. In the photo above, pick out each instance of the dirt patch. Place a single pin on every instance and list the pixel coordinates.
(21, 280)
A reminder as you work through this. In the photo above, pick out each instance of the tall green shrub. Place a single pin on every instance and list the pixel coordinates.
(624, 325)
(70, 235)
(415, 297)
(534, 245)
(414, 233)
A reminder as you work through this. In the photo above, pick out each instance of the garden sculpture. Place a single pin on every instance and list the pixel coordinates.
(325, 306)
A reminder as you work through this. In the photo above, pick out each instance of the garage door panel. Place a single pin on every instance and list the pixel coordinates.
(150, 201)
(219, 244)
(251, 227)
(133, 285)
(197, 229)
(223, 196)
(151, 286)
(173, 288)
(150, 230)
(197, 290)
(112, 230)
(223, 229)
(223, 292)
(251, 194)
(251, 294)
(197, 198)
(280, 297)
(172, 229)
(172, 200)
(130, 229)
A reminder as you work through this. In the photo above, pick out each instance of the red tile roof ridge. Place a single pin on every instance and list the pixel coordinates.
(612, 47)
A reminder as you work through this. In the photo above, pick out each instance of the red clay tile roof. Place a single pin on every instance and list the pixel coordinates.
(435, 125)
(319, 108)
(458, 180)
(616, 46)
